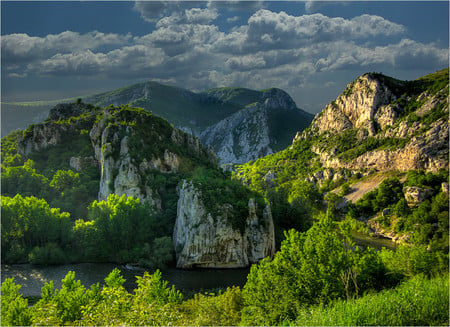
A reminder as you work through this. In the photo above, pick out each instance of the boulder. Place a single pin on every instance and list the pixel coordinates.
(415, 195)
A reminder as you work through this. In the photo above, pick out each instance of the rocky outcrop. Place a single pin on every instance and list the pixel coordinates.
(363, 104)
(242, 137)
(427, 151)
(250, 133)
(415, 195)
(207, 240)
(68, 110)
(130, 172)
(39, 137)
(80, 163)
(372, 107)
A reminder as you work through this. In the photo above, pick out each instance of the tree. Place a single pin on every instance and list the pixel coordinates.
(29, 222)
(311, 268)
(14, 308)
(24, 180)
(65, 180)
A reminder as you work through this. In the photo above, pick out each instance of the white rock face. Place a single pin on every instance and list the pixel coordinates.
(357, 107)
(120, 175)
(202, 240)
(415, 195)
(428, 152)
(80, 163)
(367, 105)
(242, 137)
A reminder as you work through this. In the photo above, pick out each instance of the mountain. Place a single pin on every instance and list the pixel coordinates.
(240, 124)
(378, 128)
(83, 156)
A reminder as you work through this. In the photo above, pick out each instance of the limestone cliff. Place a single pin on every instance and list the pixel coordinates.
(241, 137)
(388, 124)
(128, 145)
(208, 240)
(129, 154)
(259, 129)
(361, 105)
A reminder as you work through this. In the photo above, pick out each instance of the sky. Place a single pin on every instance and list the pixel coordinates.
(310, 49)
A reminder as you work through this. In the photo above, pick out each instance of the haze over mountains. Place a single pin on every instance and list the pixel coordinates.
(240, 124)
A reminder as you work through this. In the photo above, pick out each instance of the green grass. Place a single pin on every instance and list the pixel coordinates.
(416, 302)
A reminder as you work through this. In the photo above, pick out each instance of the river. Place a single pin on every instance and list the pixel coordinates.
(377, 243)
(32, 277)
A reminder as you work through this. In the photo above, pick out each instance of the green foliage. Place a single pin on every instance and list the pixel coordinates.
(311, 268)
(64, 306)
(29, 222)
(436, 81)
(64, 179)
(24, 180)
(9, 155)
(223, 309)
(49, 254)
(121, 230)
(292, 200)
(388, 193)
(152, 289)
(427, 223)
(152, 304)
(14, 307)
(114, 279)
(410, 260)
(417, 302)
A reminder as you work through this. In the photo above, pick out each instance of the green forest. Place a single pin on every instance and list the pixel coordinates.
(51, 214)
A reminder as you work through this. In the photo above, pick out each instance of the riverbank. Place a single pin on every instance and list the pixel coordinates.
(32, 277)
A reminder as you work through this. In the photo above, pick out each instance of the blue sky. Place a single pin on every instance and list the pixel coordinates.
(310, 49)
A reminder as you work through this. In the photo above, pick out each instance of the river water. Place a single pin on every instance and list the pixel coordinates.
(32, 278)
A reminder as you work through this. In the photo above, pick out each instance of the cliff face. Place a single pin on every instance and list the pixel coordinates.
(361, 105)
(251, 133)
(396, 126)
(240, 138)
(208, 240)
(128, 146)
(128, 161)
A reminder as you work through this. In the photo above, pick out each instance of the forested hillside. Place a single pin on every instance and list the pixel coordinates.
(101, 185)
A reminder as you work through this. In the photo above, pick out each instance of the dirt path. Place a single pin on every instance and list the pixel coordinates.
(366, 185)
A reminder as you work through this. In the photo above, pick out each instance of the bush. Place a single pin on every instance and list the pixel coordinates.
(50, 254)
(14, 308)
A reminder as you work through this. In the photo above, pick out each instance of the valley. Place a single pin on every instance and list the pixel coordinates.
(163, 178)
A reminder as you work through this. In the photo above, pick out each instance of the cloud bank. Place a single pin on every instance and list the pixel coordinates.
(188, 48)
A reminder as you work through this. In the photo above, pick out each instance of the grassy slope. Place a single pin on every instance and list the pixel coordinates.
(417, 302)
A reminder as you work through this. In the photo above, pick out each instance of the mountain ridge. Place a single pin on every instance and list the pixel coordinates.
(197, 112)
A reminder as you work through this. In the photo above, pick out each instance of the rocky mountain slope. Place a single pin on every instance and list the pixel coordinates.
(140, 155)
(378, 126)
(240, 124)
(391, 124)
